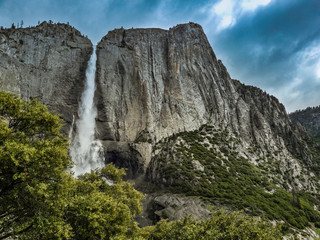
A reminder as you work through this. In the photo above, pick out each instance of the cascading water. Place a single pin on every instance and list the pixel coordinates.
(86, 151)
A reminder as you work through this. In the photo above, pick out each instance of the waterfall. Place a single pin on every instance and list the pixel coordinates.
(86, 151)
(71, 130)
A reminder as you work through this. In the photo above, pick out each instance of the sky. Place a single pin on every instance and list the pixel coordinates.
(271, 44)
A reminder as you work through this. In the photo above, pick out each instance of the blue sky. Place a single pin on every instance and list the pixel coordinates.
(272, 44)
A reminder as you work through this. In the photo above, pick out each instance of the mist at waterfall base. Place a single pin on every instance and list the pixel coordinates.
(86, 152)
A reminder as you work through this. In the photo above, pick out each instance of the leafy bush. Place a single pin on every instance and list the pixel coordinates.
(39, 199)
(221, 225)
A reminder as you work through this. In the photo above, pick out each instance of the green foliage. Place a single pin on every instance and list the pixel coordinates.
(100, 209)
(39, 199)
(308, 118)
(220, 226)
(227, 178)
(33, 155)
(314, 150)
(143, 137)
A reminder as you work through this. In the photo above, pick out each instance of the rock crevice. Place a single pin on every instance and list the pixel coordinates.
(153, 83)
(46, 62)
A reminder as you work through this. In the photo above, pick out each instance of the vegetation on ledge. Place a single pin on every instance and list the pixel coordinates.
(40, 200)
(219, 227)
(205, 163)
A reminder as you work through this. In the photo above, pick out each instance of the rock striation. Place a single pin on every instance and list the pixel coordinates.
(169, 112)
(152, 83)
(46, 62)
(149, 74)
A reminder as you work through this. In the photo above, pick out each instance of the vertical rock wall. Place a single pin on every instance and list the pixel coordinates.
(152, 83)
(47, 62)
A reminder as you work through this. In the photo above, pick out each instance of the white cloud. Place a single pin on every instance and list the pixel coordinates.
(309, 60)
(318, 71)
(227, 21)
(302, 91)
(251, 5)
(289, 93)
(226, 12)
(224, 7)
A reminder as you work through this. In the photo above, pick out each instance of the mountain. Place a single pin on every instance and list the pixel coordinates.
(46, 62)
(153, 83)
(169, 112)
(309, 118)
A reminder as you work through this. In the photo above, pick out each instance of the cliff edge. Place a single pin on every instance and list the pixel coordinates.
(46, 62)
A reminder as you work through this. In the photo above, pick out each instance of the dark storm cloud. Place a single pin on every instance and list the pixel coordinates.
(272, 35)
(264, 48)
(273, 44)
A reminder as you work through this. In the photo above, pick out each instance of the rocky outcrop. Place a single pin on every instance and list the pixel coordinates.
(169, 113)
(309, 118)
(46, 62)
(148, 82)
(170, 207)
(152, 83)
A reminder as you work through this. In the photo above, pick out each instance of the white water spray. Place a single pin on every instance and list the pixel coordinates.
(86, 151)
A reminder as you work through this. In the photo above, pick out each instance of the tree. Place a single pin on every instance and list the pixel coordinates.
(39, 199)
(102, 205)
(33, 155)
(221, 225)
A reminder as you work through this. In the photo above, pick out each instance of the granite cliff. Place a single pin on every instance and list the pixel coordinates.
(152, 83)
(169, 112)
(46, 62)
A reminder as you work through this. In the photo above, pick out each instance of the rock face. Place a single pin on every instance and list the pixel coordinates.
(309, 118)
(171, 207)
(169, 112)
(152, 83)
(47, 62)
(152, 76)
